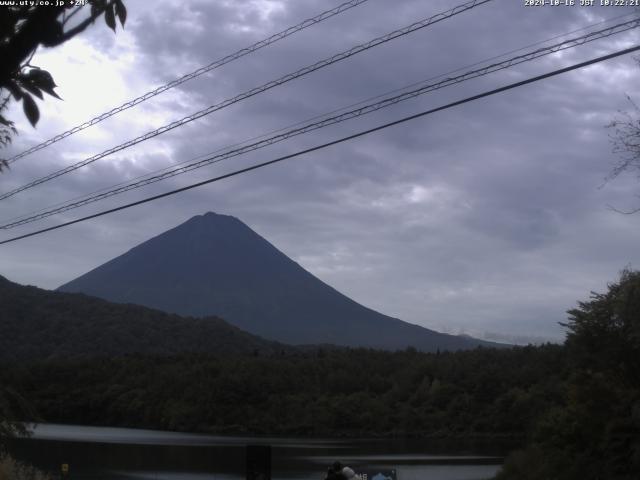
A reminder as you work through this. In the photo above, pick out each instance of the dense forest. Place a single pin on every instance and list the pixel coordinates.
(325, 392)
(573, 410)
(41, 324)
(595, 432)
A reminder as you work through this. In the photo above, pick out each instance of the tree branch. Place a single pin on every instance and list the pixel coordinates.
(26, 40)
(82, 25)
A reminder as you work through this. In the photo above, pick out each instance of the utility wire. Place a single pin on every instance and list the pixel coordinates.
(334, 142)
(254, 91)
(372, 107)
(196, 73)
(323, 115)
(315, 117)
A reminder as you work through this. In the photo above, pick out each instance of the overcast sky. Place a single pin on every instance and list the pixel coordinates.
(489, 218)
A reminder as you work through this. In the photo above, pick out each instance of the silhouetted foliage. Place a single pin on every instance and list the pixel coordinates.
(595, 432)
(40, 324)
(13, 408)
(26, 26)
(574, 408)
(10, 469)
(352, 392)
(625, 138)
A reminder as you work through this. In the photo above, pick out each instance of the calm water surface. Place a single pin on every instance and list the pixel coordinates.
(120, 454)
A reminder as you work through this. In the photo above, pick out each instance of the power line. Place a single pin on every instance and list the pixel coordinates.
(334, 142)
(254, 91)
(168, 173)
(35, 215)
(322, 115)
(196, 73)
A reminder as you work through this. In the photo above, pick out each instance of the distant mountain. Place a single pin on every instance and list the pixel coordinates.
(216, 265)
(39, 324)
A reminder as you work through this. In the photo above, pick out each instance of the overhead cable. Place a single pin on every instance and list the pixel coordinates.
(196, 73)
(255, 91)
(369, 108)
(334, 142)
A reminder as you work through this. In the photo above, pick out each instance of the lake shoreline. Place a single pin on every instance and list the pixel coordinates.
(515, 439)
(113, 453)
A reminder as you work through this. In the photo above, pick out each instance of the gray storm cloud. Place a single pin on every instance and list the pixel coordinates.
(486, 218)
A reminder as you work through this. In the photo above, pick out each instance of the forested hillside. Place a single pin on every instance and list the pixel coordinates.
(573, 410)
(594, 433)
(323, 392)
(40, 324)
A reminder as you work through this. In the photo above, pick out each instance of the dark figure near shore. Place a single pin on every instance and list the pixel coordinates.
(338, 472)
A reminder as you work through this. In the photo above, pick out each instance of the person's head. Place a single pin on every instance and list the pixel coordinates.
(348, 473)
(336, 467)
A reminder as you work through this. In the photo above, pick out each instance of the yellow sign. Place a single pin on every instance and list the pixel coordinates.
(64, 468)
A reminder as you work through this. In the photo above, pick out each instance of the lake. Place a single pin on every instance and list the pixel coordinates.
(131, 454)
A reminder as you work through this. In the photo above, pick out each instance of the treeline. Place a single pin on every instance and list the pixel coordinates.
(322, 392)
(594, 433)
(574, 409)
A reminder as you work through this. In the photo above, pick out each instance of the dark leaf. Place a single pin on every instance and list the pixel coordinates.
(51, 33)
(110, 18)
(5, 122)
(29, 86)
(94, 9)
(14, 89)
(121, 11)
(30, 109)
(41, 78)
(52, 93)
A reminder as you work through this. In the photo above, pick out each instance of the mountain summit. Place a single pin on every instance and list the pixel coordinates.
(216, 265)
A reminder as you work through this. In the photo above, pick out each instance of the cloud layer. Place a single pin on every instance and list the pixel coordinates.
(489, 218)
